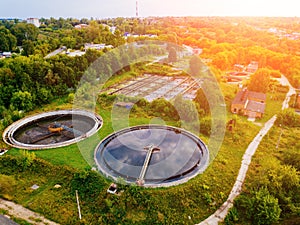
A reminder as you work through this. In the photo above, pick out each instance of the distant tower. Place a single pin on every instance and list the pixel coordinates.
(136, 9)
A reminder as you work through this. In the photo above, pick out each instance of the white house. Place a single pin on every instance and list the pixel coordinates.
(34, 21)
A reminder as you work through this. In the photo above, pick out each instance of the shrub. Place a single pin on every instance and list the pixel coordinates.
(288, 118)
(232, 216)
(260, 207)
(88, 183)
(27, 159)
(7, 184)
(71, 97)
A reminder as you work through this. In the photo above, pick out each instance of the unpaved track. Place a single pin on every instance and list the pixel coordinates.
(19, 211)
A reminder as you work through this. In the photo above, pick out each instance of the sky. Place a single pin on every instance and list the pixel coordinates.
(127, 8)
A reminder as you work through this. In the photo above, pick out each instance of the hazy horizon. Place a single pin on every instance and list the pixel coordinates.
(99, 9)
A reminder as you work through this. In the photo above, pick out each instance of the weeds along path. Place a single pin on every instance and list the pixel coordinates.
(221, 213)
(19, 211)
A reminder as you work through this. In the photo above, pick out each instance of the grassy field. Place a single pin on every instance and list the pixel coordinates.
(197, 198)
(273, 106)
(276, 151)
(187, 203)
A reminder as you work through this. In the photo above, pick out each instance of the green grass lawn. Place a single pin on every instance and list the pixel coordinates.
(69, 155)
(196, 199)
(273, 105)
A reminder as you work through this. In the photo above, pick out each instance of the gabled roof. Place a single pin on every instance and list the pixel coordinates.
(257, 95)
(254, 106)
(241, 97)
(244, 95)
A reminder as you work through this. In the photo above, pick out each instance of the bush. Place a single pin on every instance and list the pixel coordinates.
(288, 118)
(22, 101)
(7, 185)
(26, 160)
(88, 183)
(260, 207)
(71, 97)
(205, 126)
(232, 217)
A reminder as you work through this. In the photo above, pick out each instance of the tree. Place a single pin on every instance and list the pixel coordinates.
(7, 85)
(115, 61)
(282, 181)
(220, 61)
(42, 49)
(43, 96)
(69, 42)
(186, 109)
(172, 57)
(22, 101)
(25, 31)
(8, 42)
(288, 118)
(260, 81)
(28, 47)
(202, 101)
(195, 65)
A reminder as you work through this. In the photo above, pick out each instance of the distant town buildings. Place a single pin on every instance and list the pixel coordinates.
(5, 55)
(96, 46)
(252, 67)
(126, 35)
(34, 21)
(238, 67)
(81, 26)
(249, 103)
(284, 33)
(241, 72)
(193, 50)
(111, 29)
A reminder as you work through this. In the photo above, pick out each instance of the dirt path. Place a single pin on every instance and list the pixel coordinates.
(19, 211)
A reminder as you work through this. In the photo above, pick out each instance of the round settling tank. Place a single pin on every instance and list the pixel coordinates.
(52, 129)
(152, 155)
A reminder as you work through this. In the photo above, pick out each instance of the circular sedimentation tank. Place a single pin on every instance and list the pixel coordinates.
(152, 156)
(52, 129)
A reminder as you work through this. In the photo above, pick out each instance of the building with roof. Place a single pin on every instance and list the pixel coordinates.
(6, 54)
(249, 103)
(252, 67)
(34, 21)
(81, 26)
(96, 46)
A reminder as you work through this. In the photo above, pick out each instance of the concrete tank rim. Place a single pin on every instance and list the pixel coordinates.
(154, 185)
(9, 131)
